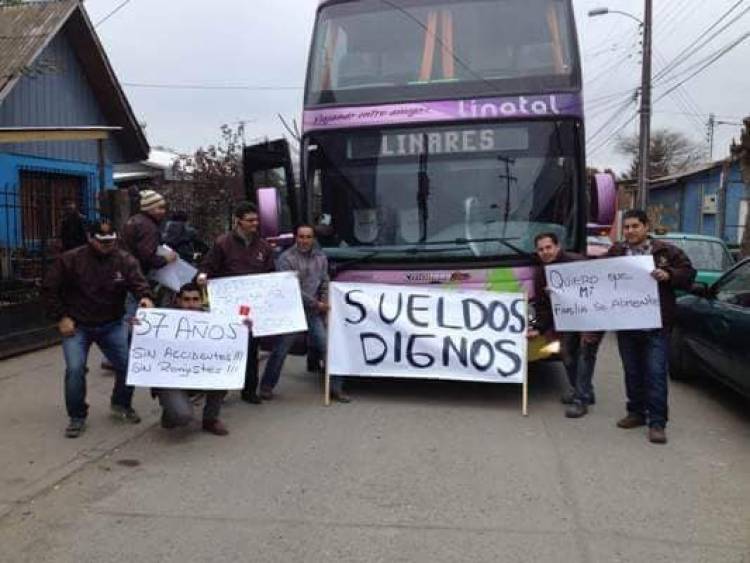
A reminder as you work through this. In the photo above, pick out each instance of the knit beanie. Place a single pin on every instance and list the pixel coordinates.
(150, 200)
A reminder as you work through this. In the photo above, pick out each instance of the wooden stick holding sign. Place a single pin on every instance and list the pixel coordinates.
(525, 388)
(327, 379)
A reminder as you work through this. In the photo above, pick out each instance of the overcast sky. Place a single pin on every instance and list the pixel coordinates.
(264, 43)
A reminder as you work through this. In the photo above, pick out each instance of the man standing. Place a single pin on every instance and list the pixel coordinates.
(72, 227)
(176, 404)
(644, 353)
(578, 350)
(85, 293)
(240, 252)
(142, 234)
(311, 266)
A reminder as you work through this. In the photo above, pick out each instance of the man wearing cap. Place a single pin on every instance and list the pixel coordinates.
(240, 252)
(142, 234)
(85, 293)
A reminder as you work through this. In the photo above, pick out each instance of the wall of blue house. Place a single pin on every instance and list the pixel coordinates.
(56, 92)
(11, 166)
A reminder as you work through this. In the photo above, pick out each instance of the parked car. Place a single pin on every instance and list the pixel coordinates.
(712, 328)
(709, 255)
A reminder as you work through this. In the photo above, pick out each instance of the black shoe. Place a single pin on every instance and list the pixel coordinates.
(126, 414)
(75, 427)
(340, 397)
(266, 394)
(251, 398)
(576, 410)
(167, 422)
(568, 398)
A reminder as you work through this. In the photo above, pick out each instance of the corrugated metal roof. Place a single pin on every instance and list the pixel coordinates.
(25, 30)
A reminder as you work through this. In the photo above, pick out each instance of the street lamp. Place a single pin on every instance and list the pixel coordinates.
(645, 111)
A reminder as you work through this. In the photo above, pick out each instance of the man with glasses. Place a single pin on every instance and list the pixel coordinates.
(240, 252)
(85, 293)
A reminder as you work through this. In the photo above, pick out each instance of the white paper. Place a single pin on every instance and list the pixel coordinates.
(427, 333)
(175, 274)
(275, 301)
(181, 349)
(604, 294)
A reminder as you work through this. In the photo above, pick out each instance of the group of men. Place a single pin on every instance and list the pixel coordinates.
(93, 290)
(644, 353)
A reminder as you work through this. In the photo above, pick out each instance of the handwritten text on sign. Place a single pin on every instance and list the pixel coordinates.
(180, 349)
(429, 333)
(275, 301)
(606, 294)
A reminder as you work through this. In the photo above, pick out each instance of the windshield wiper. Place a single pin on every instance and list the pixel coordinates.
(338, 267)
(466, 241)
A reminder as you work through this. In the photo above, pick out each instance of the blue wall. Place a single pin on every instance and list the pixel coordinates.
(56, 92)
(11, 167)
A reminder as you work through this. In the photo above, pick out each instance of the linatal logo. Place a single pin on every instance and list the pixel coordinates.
(427, 277)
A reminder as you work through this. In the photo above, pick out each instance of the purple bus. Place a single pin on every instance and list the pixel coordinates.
(439, 137)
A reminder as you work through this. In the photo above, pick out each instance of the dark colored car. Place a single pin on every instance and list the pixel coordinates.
(712, 333)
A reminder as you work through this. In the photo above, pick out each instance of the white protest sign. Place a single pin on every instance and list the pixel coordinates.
(275, 301)
(606, 294)
(427, 333)
(175, 274)
(180, 349)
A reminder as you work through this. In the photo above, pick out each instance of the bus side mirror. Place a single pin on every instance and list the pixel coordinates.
(269, 212)
(603, 192)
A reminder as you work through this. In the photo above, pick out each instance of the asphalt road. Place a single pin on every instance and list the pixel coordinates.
(410, 471)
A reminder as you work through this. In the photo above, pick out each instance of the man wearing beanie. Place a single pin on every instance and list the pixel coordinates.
(142, 234)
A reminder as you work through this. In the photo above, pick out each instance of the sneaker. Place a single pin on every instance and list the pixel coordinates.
(632, 420)
(215, 427)
(576, 410)
(75, 427)
(251, 398)
(657, 435)
(126, 414)
(266, 394)
(340, 397)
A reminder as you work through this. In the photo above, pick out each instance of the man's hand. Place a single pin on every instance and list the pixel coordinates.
(323, 307)
(146, 303)
(171, 256)
(202, 279)
(660, 275)
(248, 322)
(66, 326)
(532, 333)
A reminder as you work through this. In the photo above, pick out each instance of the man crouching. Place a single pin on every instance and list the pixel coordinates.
(176, 404)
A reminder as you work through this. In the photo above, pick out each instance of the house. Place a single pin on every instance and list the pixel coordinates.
(708, 200)
(64, 123)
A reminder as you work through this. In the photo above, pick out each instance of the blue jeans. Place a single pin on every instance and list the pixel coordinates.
(317, 336)
(112, 339)
(579, 358)
(644, 356)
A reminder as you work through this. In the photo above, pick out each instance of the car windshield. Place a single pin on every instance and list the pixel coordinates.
(706, 255)
(444, 193)
(373, 51)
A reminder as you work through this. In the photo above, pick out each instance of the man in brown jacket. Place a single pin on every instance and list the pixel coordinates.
(142, 234)
(240, 252)
(85, 293)
(644, 353)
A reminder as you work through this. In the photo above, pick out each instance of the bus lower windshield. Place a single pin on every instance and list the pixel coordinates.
(444, 193)
(377, 51)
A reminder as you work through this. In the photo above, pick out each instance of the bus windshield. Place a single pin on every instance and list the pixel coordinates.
(373, 51)
(444, 192)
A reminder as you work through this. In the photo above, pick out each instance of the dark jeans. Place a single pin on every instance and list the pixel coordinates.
(178, 408)
(317, 338)
(112, 339)
(251, 368)
(644, 356)
(579, 359)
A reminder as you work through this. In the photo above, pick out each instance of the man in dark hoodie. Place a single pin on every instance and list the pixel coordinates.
(84, 292)
(240, 252)
(579, 350)
(644, 353)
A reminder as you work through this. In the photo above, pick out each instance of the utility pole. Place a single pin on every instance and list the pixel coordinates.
(711, 127)
(645, 133)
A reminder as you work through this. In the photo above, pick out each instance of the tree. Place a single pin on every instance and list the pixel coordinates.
(671, 152)
(743, 151)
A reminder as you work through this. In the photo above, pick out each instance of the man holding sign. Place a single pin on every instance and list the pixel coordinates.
(239, 252)
(644, 353)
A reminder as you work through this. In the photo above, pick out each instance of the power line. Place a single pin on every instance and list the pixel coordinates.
(119, 7)
(209, 86)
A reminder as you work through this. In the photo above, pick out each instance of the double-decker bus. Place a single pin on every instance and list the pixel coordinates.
(439, 137)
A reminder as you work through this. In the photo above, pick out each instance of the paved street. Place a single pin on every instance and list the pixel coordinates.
(410, 471)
